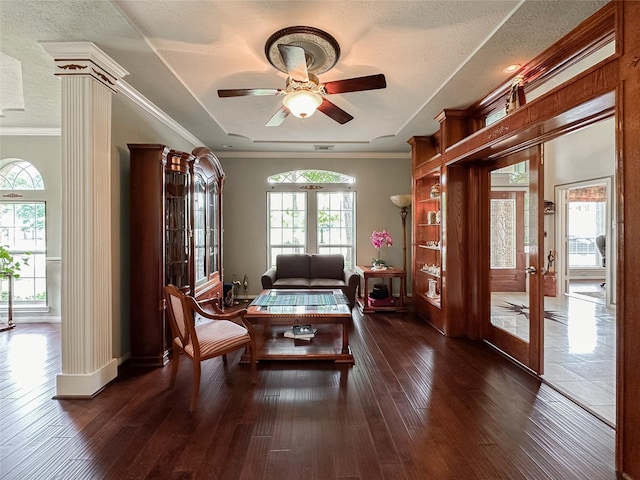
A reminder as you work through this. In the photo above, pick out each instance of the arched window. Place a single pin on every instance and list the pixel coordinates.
(20, 175)
(311, 176)
(23, 232)
(311, 211)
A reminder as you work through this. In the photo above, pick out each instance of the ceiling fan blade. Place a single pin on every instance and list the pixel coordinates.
(296, 62)
(248, 92)
(333, 111)
(370, 82)
(278, 117)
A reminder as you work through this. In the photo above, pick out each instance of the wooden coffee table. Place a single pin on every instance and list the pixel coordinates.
(277, 310)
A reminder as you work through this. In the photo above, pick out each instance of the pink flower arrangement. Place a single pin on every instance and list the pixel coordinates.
(378, 239)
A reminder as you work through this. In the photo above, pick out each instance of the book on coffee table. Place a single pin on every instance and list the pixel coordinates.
(301, 332)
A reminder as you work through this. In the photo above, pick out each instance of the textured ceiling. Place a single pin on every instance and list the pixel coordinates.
(434, 54)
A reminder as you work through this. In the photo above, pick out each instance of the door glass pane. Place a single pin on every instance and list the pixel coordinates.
(509, 249)
(176, 228)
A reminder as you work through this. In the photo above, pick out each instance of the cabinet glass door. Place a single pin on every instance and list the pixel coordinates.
(213, 227)
(177, 228)
(200, 230)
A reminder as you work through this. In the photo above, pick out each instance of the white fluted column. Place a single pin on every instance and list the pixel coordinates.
(89, 79)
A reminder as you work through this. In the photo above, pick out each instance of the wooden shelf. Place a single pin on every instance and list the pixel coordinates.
(429, 273)
(433, 301)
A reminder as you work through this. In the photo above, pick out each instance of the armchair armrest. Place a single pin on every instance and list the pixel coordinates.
(218, 314)
(268, 278)
(231, 316)
(352, 280)
(213, 302)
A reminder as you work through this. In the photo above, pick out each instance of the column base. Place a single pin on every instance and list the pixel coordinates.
(86, 385)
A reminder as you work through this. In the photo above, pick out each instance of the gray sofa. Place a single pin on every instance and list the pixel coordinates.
(312, 271)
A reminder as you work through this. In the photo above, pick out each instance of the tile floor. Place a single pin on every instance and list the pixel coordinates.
(579, 344)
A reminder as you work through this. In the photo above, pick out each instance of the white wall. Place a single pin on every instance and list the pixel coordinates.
(130, 124)
(245, 193)
(44, 153)
(580, 156)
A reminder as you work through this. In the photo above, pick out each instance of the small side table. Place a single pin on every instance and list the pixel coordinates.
(389, 273)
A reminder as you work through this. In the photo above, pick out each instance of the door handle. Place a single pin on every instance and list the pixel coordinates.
(531, 270)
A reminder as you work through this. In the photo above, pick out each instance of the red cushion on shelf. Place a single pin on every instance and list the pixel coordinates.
(381, 302)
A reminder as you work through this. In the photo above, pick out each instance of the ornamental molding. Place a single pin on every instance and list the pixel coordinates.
(84, 59)
(498, 132)
(73, 66)
(103, 77)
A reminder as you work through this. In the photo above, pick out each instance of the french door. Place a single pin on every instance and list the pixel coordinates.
(513, 246)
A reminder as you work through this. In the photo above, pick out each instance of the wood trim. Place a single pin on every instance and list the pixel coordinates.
(628, 221)
(584, 100)
(592, 34)
(455, 229)
(425, 149)
(604, 90)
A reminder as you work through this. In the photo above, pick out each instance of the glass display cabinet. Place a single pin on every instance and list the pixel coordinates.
(175, 238)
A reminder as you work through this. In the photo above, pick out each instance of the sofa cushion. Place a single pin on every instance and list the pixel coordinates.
(293, 265)
(291, 283)
(326, 266)
(326, 283)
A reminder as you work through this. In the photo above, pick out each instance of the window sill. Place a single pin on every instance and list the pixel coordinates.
(26, 308)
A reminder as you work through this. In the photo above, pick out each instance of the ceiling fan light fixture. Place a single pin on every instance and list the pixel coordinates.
(302, 103)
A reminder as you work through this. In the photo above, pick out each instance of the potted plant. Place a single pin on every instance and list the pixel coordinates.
(378, 239)
(9, 268)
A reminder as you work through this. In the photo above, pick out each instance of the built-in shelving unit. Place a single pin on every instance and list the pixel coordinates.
(428, 259)
(439, 210)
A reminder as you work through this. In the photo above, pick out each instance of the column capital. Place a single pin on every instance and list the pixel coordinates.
(84, 59)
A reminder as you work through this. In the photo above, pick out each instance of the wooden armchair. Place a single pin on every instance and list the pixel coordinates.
(210, 339)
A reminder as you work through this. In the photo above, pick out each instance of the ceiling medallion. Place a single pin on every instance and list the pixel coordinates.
(320, 48)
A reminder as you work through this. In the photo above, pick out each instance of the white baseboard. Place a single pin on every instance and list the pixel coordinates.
(37, 319)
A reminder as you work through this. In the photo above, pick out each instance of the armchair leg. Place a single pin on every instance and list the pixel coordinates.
(254, 361)
(175, 361)
(196, 386)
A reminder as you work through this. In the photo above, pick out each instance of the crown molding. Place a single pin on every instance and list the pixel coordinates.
(148, 106)
(30, 132)
(312, 155)
(133, 95)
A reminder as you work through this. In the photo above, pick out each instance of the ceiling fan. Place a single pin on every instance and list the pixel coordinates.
(302, 53)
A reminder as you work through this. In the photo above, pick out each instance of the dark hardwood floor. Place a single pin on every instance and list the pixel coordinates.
(416, 405)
